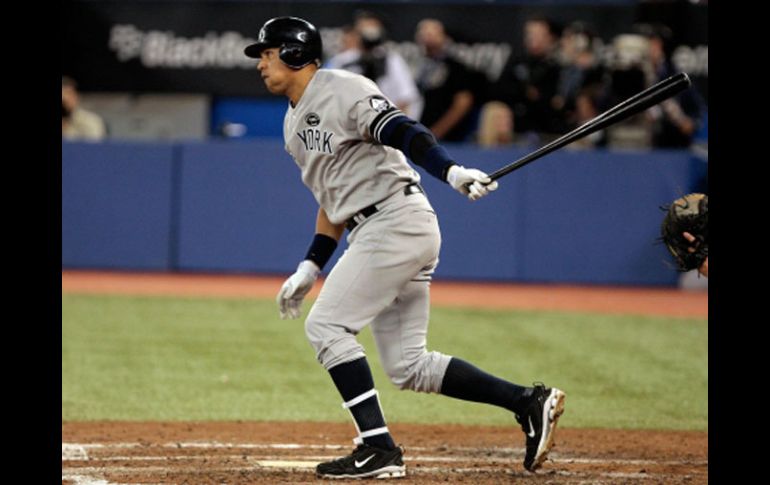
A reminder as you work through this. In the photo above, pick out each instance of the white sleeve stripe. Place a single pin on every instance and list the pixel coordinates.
(386, 120)
(377, 119)
(377, 123)
(383, 122)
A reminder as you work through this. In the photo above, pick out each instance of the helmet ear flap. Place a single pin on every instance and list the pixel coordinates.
(294, 55)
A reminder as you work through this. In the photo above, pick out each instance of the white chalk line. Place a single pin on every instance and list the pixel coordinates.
(91, 480)
(417, 458)
(96, 480)
(78, 452)
(85, 480)
(280, 446)
(307, 466)
(80, 479)
(73, 452)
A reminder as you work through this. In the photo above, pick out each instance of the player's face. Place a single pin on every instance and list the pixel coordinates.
(275, 73)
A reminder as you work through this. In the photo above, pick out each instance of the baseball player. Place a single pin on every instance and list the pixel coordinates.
(351, 145)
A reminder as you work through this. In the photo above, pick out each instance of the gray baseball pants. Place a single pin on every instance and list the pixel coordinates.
(383, 280)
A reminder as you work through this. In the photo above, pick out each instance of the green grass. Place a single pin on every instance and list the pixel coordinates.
(155, 358)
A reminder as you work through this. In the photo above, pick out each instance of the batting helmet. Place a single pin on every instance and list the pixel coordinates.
(298, 40)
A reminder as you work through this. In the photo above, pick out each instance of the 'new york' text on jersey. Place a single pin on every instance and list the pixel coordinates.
(328, 136)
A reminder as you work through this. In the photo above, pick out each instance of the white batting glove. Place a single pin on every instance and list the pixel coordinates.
(295, 288)
(480, 184)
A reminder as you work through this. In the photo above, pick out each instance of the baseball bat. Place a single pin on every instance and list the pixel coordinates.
(639, 102)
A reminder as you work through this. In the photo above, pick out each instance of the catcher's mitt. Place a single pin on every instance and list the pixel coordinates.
(687, 214)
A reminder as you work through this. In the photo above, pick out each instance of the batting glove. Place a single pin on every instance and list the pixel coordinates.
(295, 288)
(469, 181)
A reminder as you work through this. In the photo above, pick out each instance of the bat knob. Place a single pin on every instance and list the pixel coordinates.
(685, 77)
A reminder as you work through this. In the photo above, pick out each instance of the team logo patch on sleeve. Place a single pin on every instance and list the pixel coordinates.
(378, 103)
(312, 119)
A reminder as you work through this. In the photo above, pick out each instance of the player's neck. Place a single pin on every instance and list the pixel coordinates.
(301, 79)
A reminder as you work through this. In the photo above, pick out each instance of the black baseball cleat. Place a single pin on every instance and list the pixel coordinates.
(365, 462)
(539, 423)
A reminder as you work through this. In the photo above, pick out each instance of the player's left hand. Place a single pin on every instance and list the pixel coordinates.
(470, 181)
(295, 288)
(704, 267)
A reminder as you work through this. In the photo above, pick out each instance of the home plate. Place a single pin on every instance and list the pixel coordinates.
(286, 464)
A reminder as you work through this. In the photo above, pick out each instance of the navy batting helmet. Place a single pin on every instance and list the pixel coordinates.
(298, 40)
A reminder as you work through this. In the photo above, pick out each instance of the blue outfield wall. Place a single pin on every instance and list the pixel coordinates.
(585, 217)
(243, 208)
(116, 205)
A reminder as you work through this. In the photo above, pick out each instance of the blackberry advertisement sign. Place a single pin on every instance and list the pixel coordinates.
(197, 46)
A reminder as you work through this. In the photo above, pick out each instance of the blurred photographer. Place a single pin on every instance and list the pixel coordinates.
(368, 54)
(529, 82)
(450, 90)
(677, 119)
(581, 78)
(629, 71)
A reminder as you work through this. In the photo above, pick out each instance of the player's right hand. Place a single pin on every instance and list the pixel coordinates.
(295, 288)
(469, 181)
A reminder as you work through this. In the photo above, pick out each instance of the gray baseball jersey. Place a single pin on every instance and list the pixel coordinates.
(328, 134)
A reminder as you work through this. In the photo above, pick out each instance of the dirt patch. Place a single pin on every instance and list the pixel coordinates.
(286, 452)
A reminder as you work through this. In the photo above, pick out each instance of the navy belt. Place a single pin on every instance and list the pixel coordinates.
(361, 215)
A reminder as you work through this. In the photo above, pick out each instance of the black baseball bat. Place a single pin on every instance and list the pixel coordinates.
(635, 104)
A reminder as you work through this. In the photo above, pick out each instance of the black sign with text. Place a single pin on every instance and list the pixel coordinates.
(197, 47)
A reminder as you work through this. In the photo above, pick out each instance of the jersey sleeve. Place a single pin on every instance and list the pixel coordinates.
(368, 108)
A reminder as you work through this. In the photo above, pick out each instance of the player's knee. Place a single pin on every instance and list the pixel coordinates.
(398, 373)
(331, 343)
(418, 371)
(399, 370)
(319, 331)
(314, 333)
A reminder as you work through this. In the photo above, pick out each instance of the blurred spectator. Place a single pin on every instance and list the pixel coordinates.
(677, 119)
(586, 108)
(529, 83)
(629, 72)
(495, 125)
(364, 52)
(77, 122)
(351, 41)
(582, 75)
(66, 117)
(447, 86)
